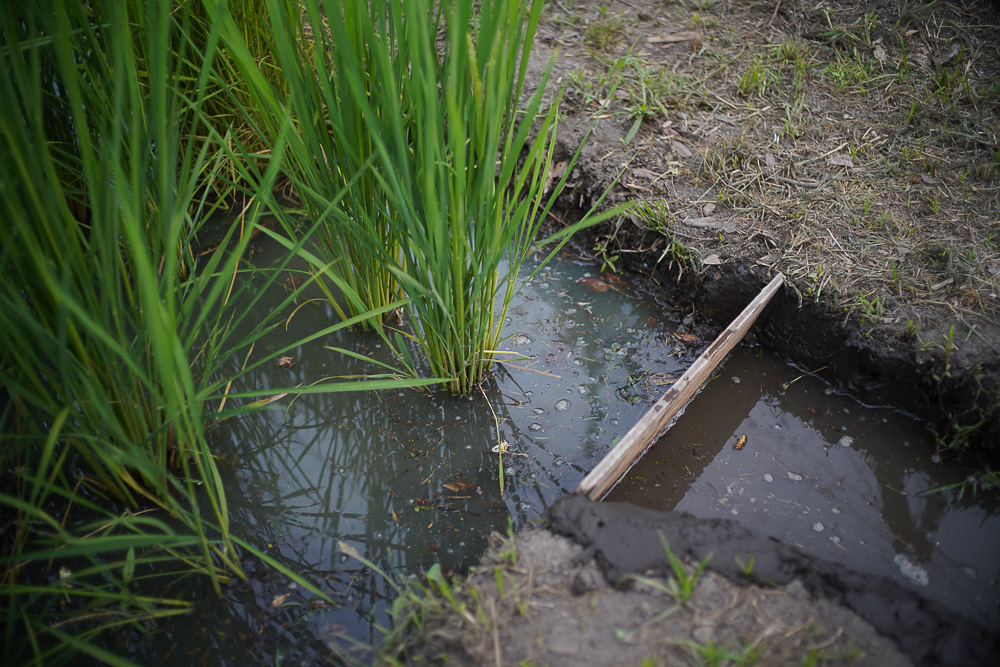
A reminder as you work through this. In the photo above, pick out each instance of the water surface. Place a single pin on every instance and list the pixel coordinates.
(409, 479)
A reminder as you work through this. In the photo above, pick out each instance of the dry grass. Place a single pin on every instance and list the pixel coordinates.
(853, 148)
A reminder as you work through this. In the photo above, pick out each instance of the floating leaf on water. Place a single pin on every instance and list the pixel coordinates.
(348, 550)
(461, 487)
(594, 284)
(280, 600)
(267, 401)
(686, 337)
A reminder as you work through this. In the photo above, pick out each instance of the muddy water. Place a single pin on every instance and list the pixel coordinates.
(407, 479)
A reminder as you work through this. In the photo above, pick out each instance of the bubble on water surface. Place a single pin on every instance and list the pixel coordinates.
(845, 441)
(520, 339)
(539, 411)
(768, 477)
(583, 389)
(614, 422)
(794, 476)
(835, 539)
(562, 405)
(736, 379)
(818, 527)
(535, 426)
(911, 570)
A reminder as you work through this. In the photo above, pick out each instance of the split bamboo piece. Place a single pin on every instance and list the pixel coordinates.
(652, 424)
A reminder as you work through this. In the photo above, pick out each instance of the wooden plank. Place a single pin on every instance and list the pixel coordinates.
(607, 473)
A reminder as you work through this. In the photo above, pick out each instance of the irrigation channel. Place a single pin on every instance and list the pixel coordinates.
(408, 479)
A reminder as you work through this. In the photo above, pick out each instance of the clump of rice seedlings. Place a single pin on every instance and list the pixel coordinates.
(411, 141)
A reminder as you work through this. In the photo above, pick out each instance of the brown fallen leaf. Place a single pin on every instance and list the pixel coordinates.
(594, 284)
(686, 337)
(280, 600)
(267, 401)
(461, 487)
(740, 441)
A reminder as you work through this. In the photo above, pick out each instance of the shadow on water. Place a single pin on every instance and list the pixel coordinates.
(410, 479)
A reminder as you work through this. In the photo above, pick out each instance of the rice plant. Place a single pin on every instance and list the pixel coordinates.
(425, 99)
(114, 325)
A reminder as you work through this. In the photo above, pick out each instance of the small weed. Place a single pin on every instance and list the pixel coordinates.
(681, 586)
(848, 71)
(684, 582)
(871, 307)
(605, 32)
(711, 655)
(756, 80)
(593, 92)
(746, 568)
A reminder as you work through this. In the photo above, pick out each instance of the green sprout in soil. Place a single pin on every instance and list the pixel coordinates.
(681, 586)
(711, 654)
(605, 32)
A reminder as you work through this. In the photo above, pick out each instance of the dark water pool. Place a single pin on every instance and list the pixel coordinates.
(409, 479)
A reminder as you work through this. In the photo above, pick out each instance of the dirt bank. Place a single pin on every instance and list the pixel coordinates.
(850, 145)
(597, 588)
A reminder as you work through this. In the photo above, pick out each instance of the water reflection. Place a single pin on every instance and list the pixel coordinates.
(841, 481)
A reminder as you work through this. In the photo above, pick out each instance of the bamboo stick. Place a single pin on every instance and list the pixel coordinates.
(652, 424)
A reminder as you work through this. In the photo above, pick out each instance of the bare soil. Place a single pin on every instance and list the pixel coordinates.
(850, 145)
